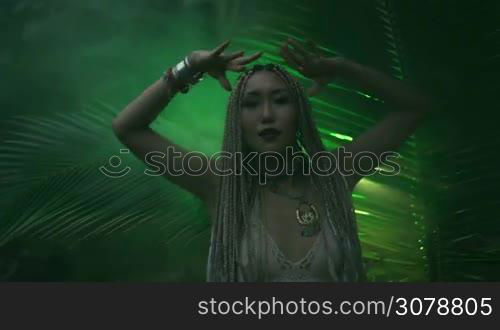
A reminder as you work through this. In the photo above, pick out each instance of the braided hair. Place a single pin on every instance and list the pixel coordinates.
(236, 192)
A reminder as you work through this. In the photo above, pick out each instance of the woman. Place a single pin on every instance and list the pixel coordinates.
(275, 220)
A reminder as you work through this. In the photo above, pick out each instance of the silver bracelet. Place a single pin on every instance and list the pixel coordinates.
(185, 73)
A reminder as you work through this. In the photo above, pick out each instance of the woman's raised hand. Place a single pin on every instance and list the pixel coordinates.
(215, 62)
(308, 60)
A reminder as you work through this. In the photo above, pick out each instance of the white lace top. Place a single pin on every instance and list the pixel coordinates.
(262, 260)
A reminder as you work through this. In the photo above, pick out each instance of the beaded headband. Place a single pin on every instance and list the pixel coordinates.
(261, 67)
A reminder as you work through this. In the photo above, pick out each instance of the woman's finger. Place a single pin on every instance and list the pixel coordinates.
(221, 47)
(314, 48)
(234, 55)
(235, 67)
(248, 59)
(224, 82)
(299, 48)
(290, 59)
(292, 63)
(299, 61)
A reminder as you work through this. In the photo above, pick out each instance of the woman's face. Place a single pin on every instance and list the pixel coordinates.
(268, 113)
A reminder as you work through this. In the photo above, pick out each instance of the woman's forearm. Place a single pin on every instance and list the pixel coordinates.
(144, 109)
(397, 94)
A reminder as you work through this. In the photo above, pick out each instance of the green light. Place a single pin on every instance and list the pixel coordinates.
(341, 136)
(336, 135)
(358, 196)
(369, 96)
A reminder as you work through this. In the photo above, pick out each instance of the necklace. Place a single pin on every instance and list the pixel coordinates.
(306, 214)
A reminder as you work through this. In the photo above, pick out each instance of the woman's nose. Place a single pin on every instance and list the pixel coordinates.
(267, 112)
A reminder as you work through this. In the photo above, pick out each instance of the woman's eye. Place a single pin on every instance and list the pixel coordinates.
(282, 100)
(249, 104)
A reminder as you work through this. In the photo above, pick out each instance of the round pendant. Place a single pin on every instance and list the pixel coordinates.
(306, 214)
